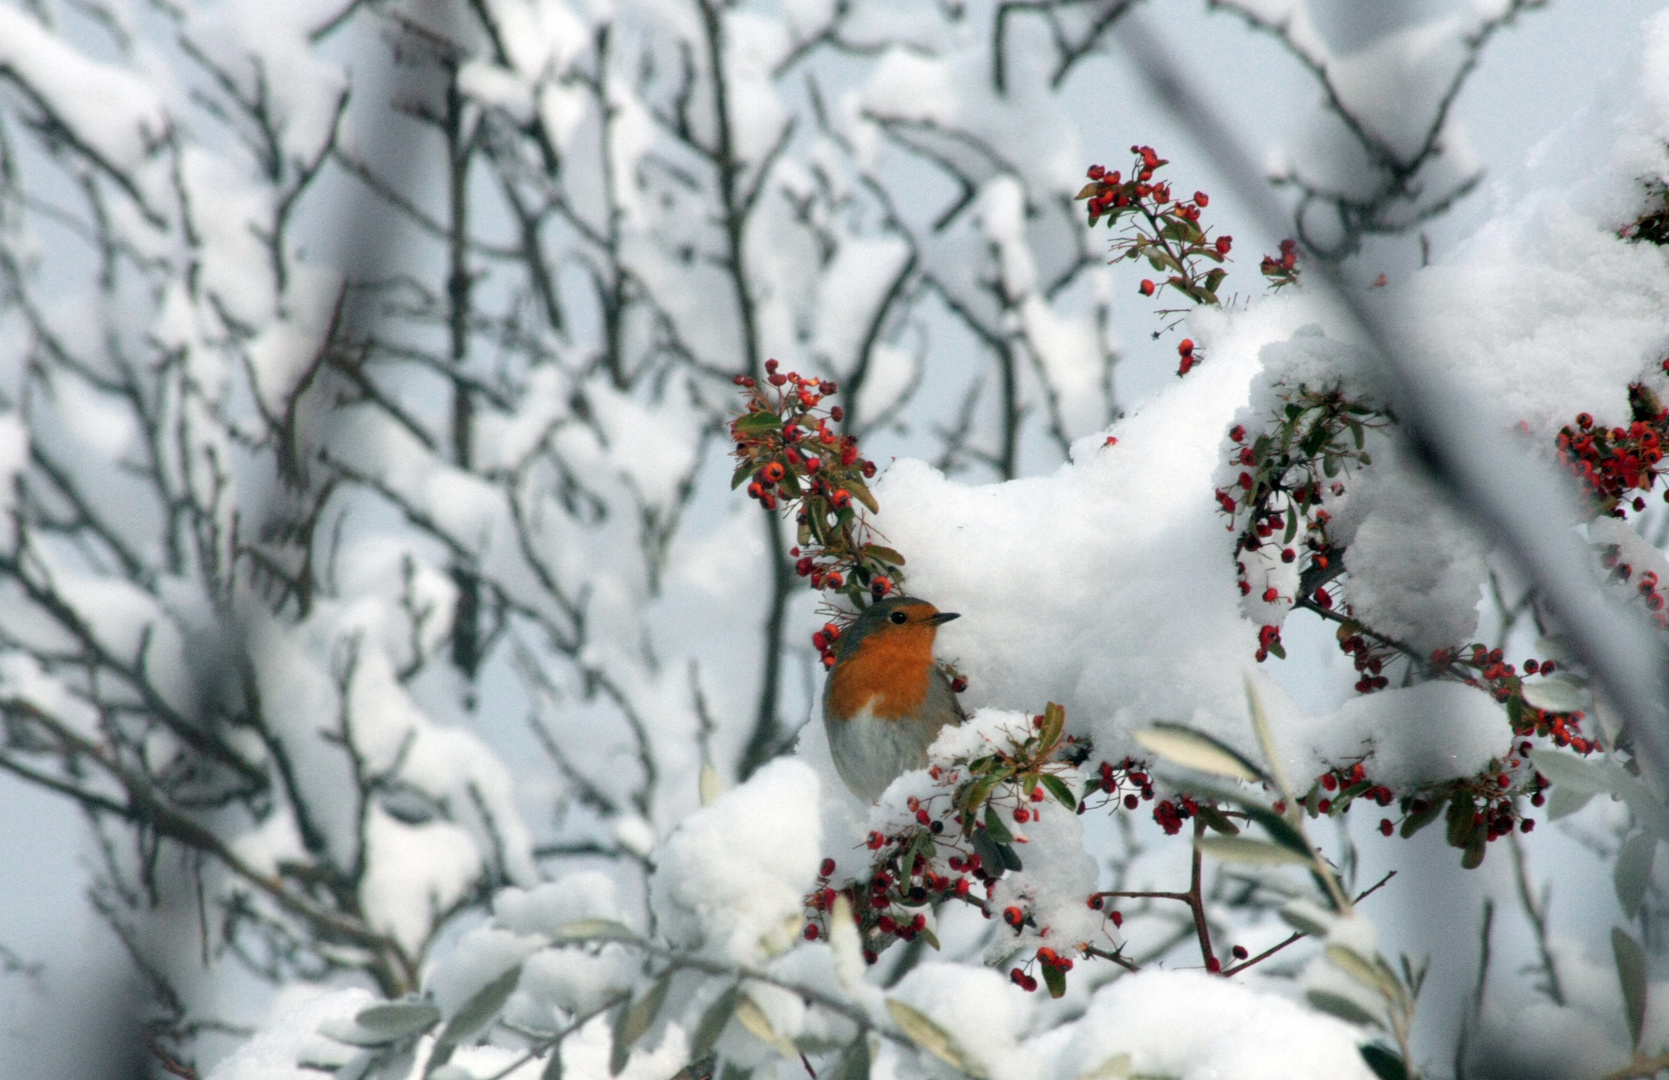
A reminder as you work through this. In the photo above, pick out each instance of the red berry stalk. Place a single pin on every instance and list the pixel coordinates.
(790, 458)
(1158, 227)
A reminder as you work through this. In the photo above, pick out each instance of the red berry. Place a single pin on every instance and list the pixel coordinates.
(1201, 199)
(1146, 287)
(1239, 952)
(841, 498)
(1013, 916)
(1385, 826)
(811, 931)
(1117, 917)
(827, 869)
(1022, 815)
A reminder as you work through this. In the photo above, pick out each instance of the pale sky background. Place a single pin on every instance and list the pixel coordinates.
(1534, 78)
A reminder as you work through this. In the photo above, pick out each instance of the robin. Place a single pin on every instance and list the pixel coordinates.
(885, 700)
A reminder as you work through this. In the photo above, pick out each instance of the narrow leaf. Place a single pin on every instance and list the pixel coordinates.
(1564, 802)
(755, 423)
(1217, 821)
(1386, 1064)
(932, 1038)
(1631, 974)
(860, 491)
(1240, 849)
(1196, 750)
(1010, 858)
(1556, 695)
(1054, 723)
(1342, 1007)
(398, 1019)
(1568, 770)
(854, 1064)
(758, 1024)
(553, 1064)
(595, 930)
(713, 1021)
(482, 1007)
(1055, 979)
(1057, 787)
(1419, 819)
(995, 828)
(1634, 871)
(636, 1019)
(1280, 830)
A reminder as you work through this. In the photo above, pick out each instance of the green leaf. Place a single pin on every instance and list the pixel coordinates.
(883, 554)
(1011, 859)
(1055, 979)
(1461, 819)
(1477, 846)
(990, 855)
(1266, 739)
(1342, 1007)
(1277, 650)
(632, 1021)
(1373, 976)
(712, 1022)
(755, 423)
(1280, 830)
(932, 1038)
(1633, 871)
(995, 827)
(972, 795)
(860, 491)
(1631, 975)
(854, 1064)
(1570, 771)
(1241, 849)
(740, 476)
(1057, 787)
(553, 1064)
(481, 1008)
(1417, 820)
(1054, 724)
(1386, 1064)
(395, 1020)
(1216, 820)
(1196, 750)
(1292, 527)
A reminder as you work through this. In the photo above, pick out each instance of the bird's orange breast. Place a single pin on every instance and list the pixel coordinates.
(888, 673)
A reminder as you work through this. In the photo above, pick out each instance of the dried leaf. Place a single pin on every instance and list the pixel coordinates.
(1342, 1007)
(595, 930)
(932, 1038)
(1196, 750)
(1241, 849)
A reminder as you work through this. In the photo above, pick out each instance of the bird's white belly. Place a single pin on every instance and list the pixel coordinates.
(869, 753)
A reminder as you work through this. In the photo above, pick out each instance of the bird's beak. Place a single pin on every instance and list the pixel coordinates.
(943, 617)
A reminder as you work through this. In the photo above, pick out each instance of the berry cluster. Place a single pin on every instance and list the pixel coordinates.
(1652, 226)
(1126, 784)
(1054, 966)
(790, 455)
(1479, 810)
(1647, 585)
(1612, 463)
(1278, 481)
(903, 880)
(1190, 358)
(1487, 669)
(1336, 789)
(1282, 269)
(1160, 228)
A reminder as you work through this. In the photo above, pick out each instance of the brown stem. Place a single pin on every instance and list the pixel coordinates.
(1196, 899)
(1273, 949)
(1640, 1068)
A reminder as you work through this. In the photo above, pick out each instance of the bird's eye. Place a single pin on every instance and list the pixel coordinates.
(898, 618)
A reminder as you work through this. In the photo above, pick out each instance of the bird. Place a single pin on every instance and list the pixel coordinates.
(885, 700)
